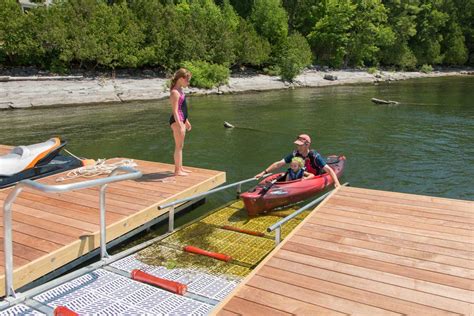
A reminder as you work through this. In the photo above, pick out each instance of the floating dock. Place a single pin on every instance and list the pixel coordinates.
(360, 251)
(111, 288)
(52, 230)
(368, 252)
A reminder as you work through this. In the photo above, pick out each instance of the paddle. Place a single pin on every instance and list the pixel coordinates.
(271, 183)
(268, 187)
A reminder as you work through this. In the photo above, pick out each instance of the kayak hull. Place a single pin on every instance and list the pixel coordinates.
(289, 192)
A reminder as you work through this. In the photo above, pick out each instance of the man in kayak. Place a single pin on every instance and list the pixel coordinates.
(314, 162)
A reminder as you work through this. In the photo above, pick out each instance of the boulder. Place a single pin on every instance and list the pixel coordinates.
(330, 77)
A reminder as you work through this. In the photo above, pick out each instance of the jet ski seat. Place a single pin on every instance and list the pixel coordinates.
(22, 158)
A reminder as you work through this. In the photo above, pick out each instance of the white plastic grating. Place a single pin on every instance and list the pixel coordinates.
(19, 310)
(198, 282)
(211, 286)
(105, 293)
(226, 291)
(129, 263)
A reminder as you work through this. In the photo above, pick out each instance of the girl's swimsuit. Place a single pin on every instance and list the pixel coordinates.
(182, 109)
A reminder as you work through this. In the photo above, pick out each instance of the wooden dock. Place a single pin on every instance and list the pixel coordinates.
(368, 252)
(51, 230)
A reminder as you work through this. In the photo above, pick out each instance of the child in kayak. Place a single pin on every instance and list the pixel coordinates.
(297, 170)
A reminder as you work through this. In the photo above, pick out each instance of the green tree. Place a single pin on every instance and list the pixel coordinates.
(303, 14)
(270, 20)
(402, 20)
(17, 42)
(453, 46)
(426, 44)
(200, 30)
(368, 33)
(250, 48)
(465, 18)
(149, 14)
(207, 75)
(243, 7)
(51, 35)
(330, 36)
(294, 56)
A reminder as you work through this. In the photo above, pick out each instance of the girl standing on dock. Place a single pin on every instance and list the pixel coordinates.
(179, 121)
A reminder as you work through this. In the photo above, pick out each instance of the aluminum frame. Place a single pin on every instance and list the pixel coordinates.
(7, 213)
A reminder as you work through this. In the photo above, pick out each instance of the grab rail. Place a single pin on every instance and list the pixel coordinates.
(277, 225)
(194, 197)
(7, 214)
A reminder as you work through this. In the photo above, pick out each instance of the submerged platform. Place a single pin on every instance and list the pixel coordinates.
(52, 230)
(110, 288)
(368, 252)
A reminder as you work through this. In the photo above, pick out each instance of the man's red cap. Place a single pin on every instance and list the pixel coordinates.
(303, 139)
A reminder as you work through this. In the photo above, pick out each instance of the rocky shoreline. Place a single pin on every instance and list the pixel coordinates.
(28, 92)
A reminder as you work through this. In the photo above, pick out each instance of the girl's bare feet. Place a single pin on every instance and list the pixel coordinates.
(181, 173)
(186, 170)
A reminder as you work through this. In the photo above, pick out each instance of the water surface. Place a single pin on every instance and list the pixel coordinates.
(422, 146)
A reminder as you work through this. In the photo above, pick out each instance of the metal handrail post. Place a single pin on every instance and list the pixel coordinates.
(103, 226)
(171, 219)
(103, 230)
(277, 236)
(8, 239)
(7, 213)
(278, 224)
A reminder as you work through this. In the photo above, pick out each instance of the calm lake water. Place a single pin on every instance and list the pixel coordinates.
(422, 146)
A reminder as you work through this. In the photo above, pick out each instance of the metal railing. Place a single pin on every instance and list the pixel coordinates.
(7, 214)
(172, 205)
(277, 225)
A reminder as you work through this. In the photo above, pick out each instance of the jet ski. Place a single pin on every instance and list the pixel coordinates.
(35, 161)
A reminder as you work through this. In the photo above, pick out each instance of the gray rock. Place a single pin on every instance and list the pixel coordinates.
(330, 77)
(148, 73)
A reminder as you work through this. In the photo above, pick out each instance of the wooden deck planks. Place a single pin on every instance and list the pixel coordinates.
(371, 252)
(50, 230)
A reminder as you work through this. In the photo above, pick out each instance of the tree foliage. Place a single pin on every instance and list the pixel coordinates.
(207, 75)
(165, 33)
(331, 34)
(294, 56)
(270, 20)
(250, 48)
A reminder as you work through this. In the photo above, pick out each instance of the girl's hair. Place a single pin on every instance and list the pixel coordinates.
(299, 161)
(181, 73)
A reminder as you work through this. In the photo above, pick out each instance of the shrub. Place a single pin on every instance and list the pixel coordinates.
(17, 41)
(270, 20)
(207, 75)
(455, 50)
(372, 70)
(272, 70)
(250, 48)
(331, 35)
(426, 69)
(295, 55)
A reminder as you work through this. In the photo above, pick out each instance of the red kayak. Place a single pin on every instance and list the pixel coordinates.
(270, 194)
